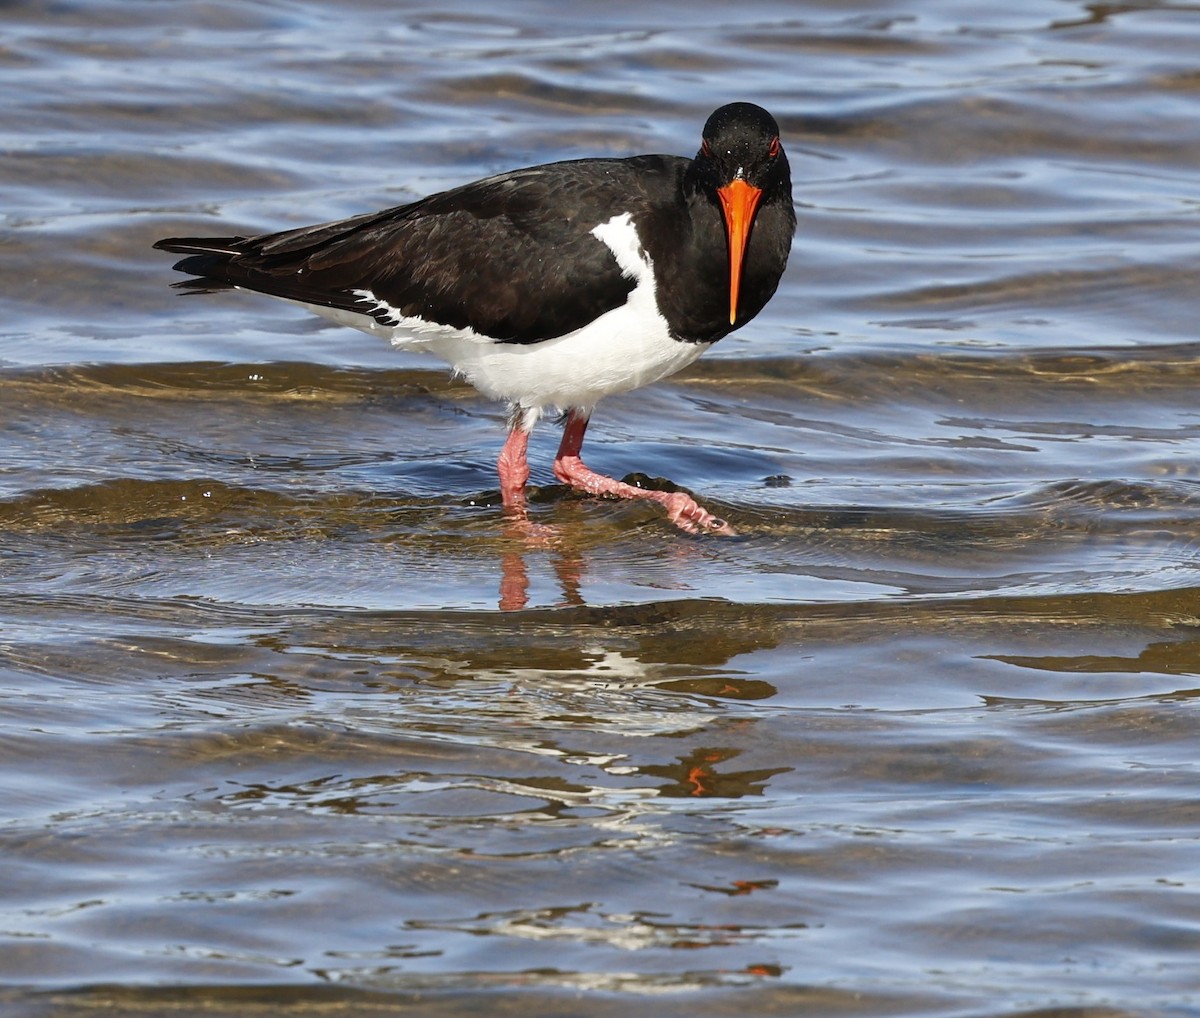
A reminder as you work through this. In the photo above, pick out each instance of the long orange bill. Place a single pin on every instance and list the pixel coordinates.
(739, 200)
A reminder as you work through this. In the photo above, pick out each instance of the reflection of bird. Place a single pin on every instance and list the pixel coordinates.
(550, 286)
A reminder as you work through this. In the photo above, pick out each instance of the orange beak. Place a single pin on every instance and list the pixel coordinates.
(738, 200)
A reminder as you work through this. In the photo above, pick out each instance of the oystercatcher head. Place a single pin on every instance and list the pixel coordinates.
(552, 286)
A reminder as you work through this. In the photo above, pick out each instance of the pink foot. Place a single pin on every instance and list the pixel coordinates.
(682, 510)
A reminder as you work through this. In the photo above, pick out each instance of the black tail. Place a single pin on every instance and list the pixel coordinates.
(209, 259)
(201, 245)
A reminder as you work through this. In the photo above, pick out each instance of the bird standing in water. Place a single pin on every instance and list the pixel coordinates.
(552, 286)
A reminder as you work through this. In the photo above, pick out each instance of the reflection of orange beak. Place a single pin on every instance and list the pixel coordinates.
(738, 200)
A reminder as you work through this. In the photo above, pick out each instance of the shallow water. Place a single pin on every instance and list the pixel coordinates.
(292, 721)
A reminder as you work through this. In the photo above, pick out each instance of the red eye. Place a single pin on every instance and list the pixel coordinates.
(773, 151)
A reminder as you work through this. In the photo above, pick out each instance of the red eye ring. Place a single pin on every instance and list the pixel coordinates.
(773, 150)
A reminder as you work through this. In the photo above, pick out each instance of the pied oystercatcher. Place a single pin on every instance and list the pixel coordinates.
(550, 286)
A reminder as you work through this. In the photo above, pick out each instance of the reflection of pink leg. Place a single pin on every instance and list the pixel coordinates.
(514, 582)
(682, 509)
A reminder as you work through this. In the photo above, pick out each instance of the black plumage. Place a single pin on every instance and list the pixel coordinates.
(513, 257)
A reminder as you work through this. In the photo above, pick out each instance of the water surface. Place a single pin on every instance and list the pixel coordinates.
(293, 722)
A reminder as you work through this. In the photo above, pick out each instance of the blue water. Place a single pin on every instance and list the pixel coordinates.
(290, 720)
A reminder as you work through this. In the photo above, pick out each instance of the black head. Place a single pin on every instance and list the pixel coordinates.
(741, 160)
(741, 141)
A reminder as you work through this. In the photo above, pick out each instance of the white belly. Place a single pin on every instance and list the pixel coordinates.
(623, 349)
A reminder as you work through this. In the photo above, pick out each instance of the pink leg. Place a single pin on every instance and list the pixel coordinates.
(682, 509)
(513, 468)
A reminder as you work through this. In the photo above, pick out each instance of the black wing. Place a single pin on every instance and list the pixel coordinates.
(511, 257)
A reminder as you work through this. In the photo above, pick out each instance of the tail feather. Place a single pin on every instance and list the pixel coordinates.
(201, 245)
(212, 268)
(203, 284)
(226, 263)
